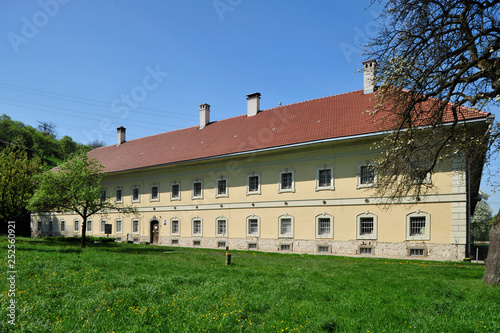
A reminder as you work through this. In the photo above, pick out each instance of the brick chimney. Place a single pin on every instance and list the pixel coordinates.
(120, 135)
(369, 67)
(253, 104)
(204, 115)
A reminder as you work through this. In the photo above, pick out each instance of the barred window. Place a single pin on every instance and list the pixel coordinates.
(324, 178)
(221, 187)
(366, 175)
(366, 225)
(221, 227)
(417, 225)
(253, 184)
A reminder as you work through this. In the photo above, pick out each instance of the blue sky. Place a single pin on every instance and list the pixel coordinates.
(91, 66)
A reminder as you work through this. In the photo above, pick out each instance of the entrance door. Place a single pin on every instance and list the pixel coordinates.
(155, 232)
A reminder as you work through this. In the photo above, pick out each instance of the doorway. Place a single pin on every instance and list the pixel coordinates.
(155, 232)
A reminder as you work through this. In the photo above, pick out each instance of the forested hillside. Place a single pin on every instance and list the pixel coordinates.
(41, 141)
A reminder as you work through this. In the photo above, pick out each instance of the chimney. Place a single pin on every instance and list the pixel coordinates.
(204, 115)
(120, 135)
(369, 67)
(253, 104)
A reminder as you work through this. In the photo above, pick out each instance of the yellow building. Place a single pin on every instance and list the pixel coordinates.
(294, 178)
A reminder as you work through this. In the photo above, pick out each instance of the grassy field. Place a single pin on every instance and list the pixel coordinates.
(141, 288)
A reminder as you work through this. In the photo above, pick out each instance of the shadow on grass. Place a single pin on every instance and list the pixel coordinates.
(74, 247)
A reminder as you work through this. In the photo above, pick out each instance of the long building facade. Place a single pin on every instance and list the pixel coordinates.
(297, 178)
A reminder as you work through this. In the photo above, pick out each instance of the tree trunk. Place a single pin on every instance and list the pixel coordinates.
(84, 226)
(492, 269)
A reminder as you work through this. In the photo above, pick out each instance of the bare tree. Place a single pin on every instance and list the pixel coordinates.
(438, 62)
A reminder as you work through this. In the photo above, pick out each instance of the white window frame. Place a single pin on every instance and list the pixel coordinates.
(217, 195)
(280, 229)
(135, 187)
(172, 198)
(330, 187)
(76, 224)
(63, 225)
(102, 228)
(217, 220)
(254, 174)
(138, 226)
(118, 222)
(121, 195)
(172, 220)
(359, 218)
(198, 234)
(253, 217)
(151, 199)
(89, 226)
(200, 196)
(280, 181)
(426, 235)
(317, 226)
(368, 185)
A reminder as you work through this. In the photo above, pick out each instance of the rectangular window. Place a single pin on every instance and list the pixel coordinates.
(39, 226)
(324, 178)
(175, 242)
(50, 225)
(221, 227)
(366, 175)
(197, 190)
(285, 247)
(366, 225)
(89, 226)
(221, 244)
(286, 228)
(103, 195)
(253, 227)
(118, 226)
(417, 252)
(63, 225)
(221, 188)
(77, 226)
(135, 226)
(417, 225)
(286, 183)
(252, 246)
(118, 196)
(175, 192)
(154, 193)
(323, 226)
(103, 223)
(253, 184)
(174, 225)
(196, 243)
(197, 227)
(365, 250)
(323, 249)
(135, 194)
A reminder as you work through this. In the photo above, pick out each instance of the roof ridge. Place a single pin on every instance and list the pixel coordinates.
(314, 99)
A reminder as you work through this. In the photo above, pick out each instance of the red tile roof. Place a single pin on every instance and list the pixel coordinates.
(330, 117)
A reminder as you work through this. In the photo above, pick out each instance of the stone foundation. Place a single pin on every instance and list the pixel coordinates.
(403, 250)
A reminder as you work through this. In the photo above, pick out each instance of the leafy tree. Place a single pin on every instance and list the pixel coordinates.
(481, 220)
(435, 57)
(75, 186)
(16, 186)
(47, 128)
(96, 144)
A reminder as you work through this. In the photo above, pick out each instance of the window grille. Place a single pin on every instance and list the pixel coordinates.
(366, 225)
(63, 225)
(323, 226)
(175, 242)
(417, 225)
(285, 247)
(196, 243)
(417, 252)
(154, 193)
(197, 227)
(197, 189)
(252, 246)
(175, 191)
(323, 249)
(221, 227)
(135, 194)
(253, 184)
(365, 250)
(286, 226)
(325, 178)
(221, 244)
(367, 175)
(286, 181)
(253, 226)
(221, 187)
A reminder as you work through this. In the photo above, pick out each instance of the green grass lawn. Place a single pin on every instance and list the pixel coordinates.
(140, 288)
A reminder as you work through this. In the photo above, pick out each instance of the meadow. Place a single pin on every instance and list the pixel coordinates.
(143, 288)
